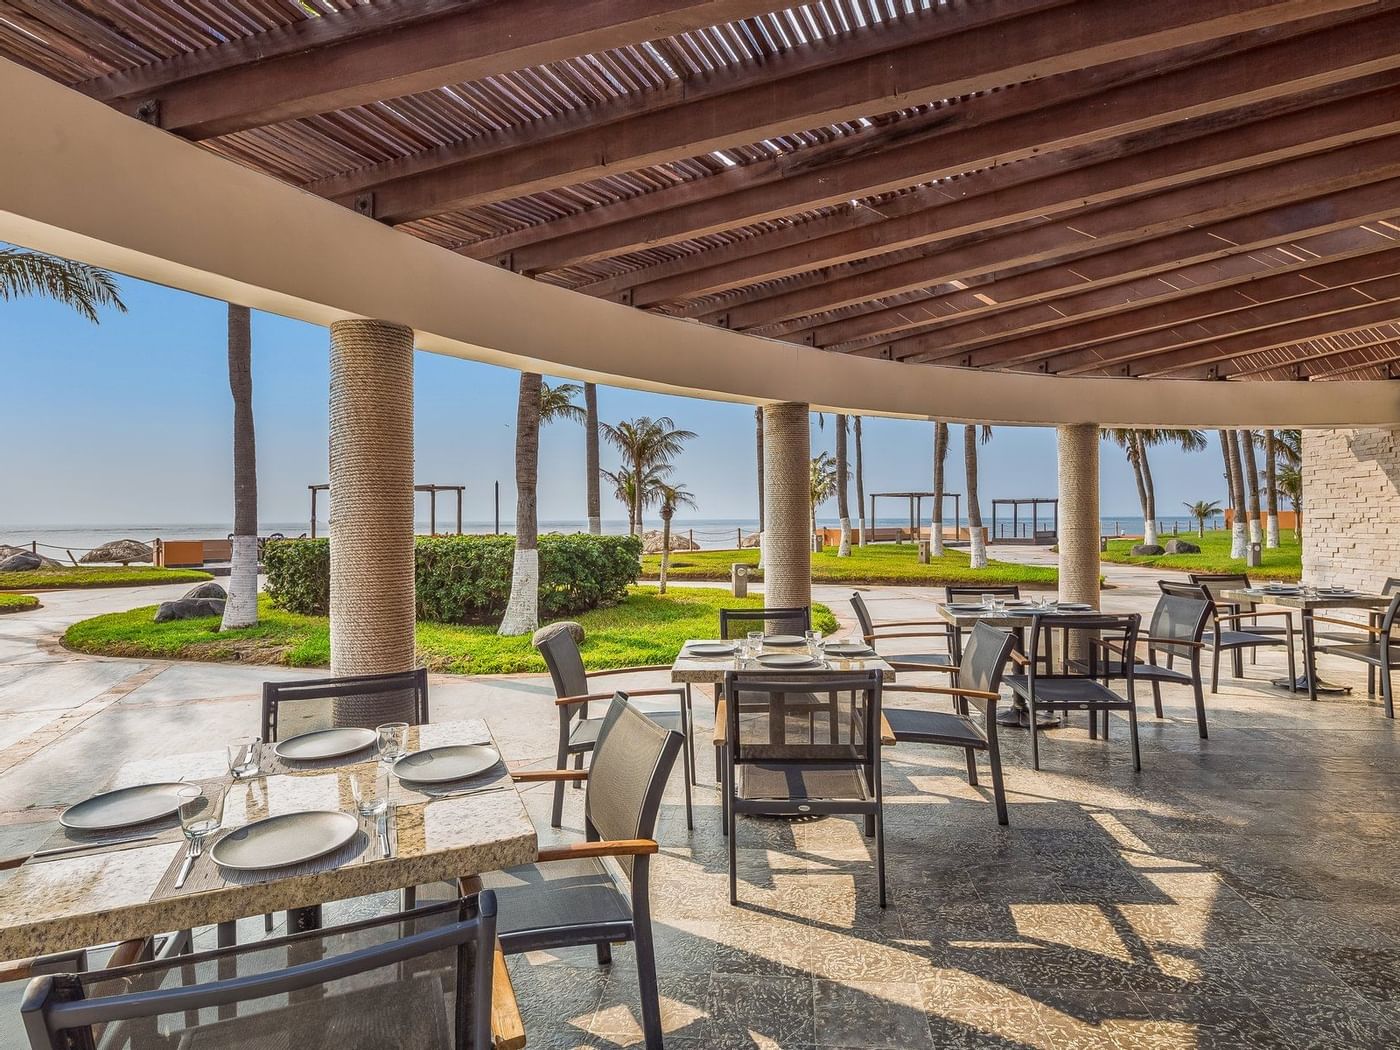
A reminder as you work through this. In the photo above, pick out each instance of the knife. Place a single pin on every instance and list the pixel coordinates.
(89, 847)
(384, 847)
(470, 791)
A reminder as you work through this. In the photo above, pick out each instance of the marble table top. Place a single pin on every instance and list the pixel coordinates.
(712, 669)
(94, 897)
(1259, 595)
(1015, 616)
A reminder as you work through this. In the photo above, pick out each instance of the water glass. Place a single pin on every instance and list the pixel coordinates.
(243, 756)
(201, 810)
(393, 740)
(989, 601)
(755, 644)
(369, 787)
(814, 643)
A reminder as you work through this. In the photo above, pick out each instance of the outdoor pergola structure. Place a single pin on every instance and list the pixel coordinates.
(916, 509)
(1032, 212)
(1016, 503)
(431, 490)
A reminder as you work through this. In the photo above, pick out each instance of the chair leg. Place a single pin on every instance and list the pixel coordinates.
(1237, 662)
(1387, 693)
(1133, 733)
(998, 788)
(604, 950)
(880, 851)
(1157, 699)
(718, 778)
(1035, 735)
(690, 732)
(733, 858)
(1292, 669)
(687, 762)
(1200, 702)
(647, 990)
(971, 766)
(1215, 671)
(1370, 681)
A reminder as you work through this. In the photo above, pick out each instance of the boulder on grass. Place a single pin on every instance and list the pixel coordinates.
(550, 629)
(751, 540)
(1146, 548)
(189, 609)
(27, 561)
(207, 590)
(123, 551)
(1182, 547)
(651, 543)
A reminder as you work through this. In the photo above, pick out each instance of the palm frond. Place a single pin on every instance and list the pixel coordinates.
(85, 288)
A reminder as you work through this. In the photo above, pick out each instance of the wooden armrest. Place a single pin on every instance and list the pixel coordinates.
(1019, 659)
(946, 690)
(1155, 641)
(911, 623)
(1348, 623)
(126, 953)
(917, 665)
(528, 775)
(721, 723)
(910, 634)
(13, 862)
(565, 701)
(507, 1027)
(886, 733)
(603, 848)
(629, 670)
(1286, 613)
(675, 690)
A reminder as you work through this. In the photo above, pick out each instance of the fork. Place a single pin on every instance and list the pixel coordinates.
(196, 847)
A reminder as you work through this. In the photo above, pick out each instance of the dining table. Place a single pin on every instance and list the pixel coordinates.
(82, 888)
(1307, 601)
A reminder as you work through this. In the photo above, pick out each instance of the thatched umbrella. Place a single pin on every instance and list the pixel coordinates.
(124, 551)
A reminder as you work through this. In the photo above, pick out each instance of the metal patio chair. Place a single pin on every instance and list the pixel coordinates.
(1220, 637)
(977, 677)
(1076, 684)
(834, 770)
(571, 896)
(304, 706)
(1380, 652)
(578, 730)
(1216, 583)
(420, 980)
(869, 629)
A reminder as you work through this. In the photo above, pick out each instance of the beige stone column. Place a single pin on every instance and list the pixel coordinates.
(371, 478)
(1079, 513)
(787, 506)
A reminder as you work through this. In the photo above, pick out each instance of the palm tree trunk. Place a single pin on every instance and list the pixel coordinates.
(1238, 536)
(1149, 498)
(940, 457)
(638, 468)
(1135, 461)
(758, 445)
(860, 483)
(665, 550)
(1270, 490)
(1249, 468)
(241, 608)
(843, 502)
(523, 609)
(590, 442)
(978, 558)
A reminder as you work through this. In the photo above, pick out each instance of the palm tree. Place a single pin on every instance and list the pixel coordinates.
(241, 607)
(843, 504)
(646, 443)
(1270, 490)
(1290, 482)
(940, 462)
(1231, 453)
(1135, 444)
(625, 489)
(977, 558)
(1202, 511)
(85, 288)
(860, 483)
(1249, 470)
(823, 479)
(590, 454)
(523, 609)
(671, 497)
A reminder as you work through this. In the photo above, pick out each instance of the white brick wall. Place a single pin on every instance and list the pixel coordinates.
(1351, 507)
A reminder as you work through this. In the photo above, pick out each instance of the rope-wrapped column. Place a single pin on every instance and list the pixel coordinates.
(1079, 513)
(371, 476)
(787, 507)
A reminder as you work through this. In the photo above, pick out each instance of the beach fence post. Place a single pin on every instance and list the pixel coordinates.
(498, 508)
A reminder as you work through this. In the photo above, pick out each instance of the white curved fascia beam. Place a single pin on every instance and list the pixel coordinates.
(83, 181)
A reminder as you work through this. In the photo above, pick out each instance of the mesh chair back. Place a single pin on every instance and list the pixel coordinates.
(735, 623)
(1184, 590)
(1178, 619)
(1216, 583)
(774, 720)
(631, 763)
(862, 611)
(1001, 590)
(1078, 636)
(984, 658)
(565, 662)
(415, 981)
(292, 708)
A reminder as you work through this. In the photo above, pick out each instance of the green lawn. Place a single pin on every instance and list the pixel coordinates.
(1283, 563)
(647, 628)
(97, 576)
(877, 563)
(17, 602)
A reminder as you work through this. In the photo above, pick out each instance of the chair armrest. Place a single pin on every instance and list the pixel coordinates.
(911, 623)
(946, 690)
(1285, 613)
(908, 634)
(675, 690)
(526, 776)
(603, 848)
(1111, 643)
(886, 733)
(13, 862)
(721, 723)
(1019, 659)
(565, 701)
(1155, 641)
(126, 953)
(628, 670)
(507, 1027)
(1348, 623)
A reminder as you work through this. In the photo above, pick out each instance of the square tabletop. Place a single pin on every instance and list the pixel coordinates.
(126, 891)
(965, 616)
(1298, 600)
(692, 668)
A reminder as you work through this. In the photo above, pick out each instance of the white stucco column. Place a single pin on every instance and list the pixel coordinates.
(787, 505)
(1079, 513)
(371, 478)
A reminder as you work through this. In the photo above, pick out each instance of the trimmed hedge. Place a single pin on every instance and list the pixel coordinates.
(466, 579)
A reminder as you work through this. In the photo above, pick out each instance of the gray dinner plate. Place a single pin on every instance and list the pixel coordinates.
(1074, 607)
(440, 765)
(712, 648)
(288, 838)
(325, 743)
(847, 649)
(786, 660)
(123, 808)
(784, 641)
(966, 607)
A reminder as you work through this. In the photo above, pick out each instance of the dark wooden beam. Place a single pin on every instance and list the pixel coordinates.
(1039, 186)
(1087, 234)
(363, 56)
(1031, 119)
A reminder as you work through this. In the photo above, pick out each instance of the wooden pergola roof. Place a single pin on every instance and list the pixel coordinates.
(1200, 189)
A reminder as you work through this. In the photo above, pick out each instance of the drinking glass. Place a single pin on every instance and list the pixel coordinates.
(201, 810)
(989, 601)
(814, 643)
(369, 786)
(243, 756)
(393, 740)
(755, 642)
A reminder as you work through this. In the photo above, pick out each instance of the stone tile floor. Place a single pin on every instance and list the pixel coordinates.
(1240, 892)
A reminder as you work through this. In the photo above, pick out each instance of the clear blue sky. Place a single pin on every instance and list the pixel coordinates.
(129, 421)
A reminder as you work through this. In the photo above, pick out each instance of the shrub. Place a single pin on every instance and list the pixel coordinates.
(466, 579)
